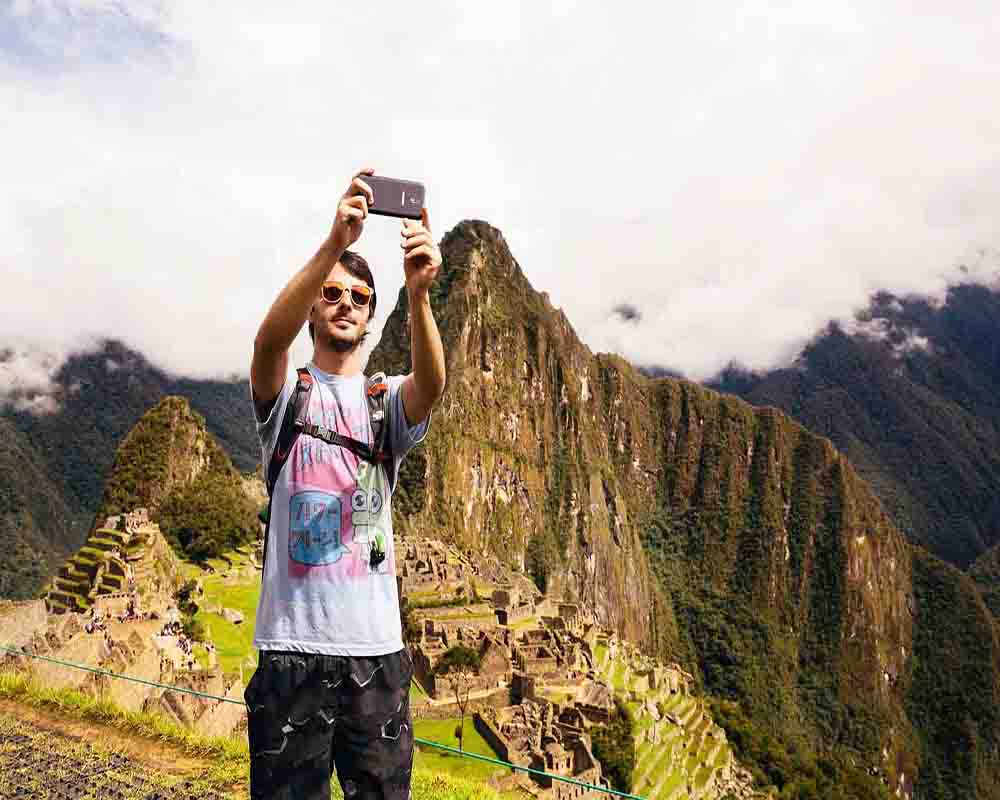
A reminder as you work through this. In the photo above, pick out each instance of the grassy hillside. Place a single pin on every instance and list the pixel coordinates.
(689, 753)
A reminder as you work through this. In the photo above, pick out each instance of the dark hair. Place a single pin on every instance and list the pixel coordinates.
(358, 267)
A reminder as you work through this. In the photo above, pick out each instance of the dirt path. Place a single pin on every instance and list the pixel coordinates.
(44, 754)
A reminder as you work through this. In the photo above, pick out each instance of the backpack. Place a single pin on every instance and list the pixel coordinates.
(294, 423)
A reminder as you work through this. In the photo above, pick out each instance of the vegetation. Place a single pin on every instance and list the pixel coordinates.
(186, 604)
(458, 666)
(208, 516)
(614, 747)
(546, 549)
(33, 517)
(788, 766)
(919, 418)
(954, 698)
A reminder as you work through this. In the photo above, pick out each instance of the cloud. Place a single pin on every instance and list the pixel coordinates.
(735, 176)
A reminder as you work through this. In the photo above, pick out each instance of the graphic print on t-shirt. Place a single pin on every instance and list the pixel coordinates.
(336, 504)
(314, 529)
(366, 511)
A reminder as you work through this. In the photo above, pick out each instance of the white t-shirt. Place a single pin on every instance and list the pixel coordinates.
(319, 593)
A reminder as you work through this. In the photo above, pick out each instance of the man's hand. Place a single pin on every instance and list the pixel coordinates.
(421, 256)
(351, 212)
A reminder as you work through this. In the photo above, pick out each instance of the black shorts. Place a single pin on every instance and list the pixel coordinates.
(309, 714)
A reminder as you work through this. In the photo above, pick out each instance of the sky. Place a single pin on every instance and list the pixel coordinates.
(738, 175)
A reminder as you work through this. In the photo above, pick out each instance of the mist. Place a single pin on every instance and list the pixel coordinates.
(736, 176)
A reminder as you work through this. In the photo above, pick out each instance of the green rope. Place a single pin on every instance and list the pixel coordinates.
(507, 764)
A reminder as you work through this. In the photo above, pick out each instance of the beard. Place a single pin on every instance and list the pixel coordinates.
(344, 343)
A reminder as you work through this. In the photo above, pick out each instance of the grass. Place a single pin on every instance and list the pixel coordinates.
(443, 732)
(229, 757)
(600, 653)
(233, 643)
(671, 783)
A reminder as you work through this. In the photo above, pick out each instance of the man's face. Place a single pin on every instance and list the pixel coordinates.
(341, 324)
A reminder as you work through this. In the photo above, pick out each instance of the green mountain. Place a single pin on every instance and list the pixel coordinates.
(912, 397)
(727, 537)
(170, 464)
(32, 516)
(55, 465)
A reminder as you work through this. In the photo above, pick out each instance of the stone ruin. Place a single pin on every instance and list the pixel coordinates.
(112, 606)
(511, 607)
(532, 734)
(425, 567)
(105, 574)
(114, 636)
(538, 692)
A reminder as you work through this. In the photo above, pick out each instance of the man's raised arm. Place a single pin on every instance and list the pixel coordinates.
(425, 384)
(290, 310)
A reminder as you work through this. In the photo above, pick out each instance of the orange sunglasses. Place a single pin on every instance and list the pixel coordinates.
(359, 293)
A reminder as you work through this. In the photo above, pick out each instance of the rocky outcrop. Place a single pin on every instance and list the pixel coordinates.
(517, 464)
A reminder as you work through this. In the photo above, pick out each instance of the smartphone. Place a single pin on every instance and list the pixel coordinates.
(394, 197)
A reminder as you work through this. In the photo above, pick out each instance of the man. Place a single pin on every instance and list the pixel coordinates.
(331, 688)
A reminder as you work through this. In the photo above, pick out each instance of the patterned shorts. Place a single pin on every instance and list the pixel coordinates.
(311, 714)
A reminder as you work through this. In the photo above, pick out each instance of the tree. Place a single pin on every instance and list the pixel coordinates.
(614, 746)
(458, 666)
(188, 606)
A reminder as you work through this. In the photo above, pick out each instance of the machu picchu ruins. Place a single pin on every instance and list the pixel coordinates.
(113, 606)
(122, 562)
(547, 672)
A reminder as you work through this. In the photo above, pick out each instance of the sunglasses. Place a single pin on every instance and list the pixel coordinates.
(359, 293)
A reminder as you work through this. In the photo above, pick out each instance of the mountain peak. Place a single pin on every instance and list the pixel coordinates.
(167, 447)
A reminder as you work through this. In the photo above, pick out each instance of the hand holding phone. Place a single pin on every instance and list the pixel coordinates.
(352, 209)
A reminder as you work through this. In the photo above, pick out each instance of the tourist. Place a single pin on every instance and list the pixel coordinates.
(331, 523)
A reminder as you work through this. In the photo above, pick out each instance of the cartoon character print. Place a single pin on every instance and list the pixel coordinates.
(314, 530)
(366, 512)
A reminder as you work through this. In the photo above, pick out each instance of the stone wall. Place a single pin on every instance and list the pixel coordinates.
(499, 699)
(223, 718)
(493, 739)
(20, 621)
(472, 609)
(111, 605)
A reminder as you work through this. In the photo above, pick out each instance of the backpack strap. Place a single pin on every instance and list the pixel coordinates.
(291, 426)
(377, 393)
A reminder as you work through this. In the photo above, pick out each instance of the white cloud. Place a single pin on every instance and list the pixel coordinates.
(740, 175)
